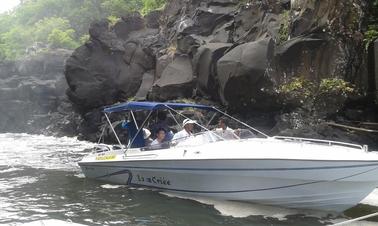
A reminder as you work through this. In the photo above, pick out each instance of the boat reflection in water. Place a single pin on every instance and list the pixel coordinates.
(284, 171)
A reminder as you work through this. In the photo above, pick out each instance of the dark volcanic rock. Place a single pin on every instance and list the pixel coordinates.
(244, 67)
(147, 83)
(99, 31)
(376, 69)
(7, 68)
(153, 19)
(315, 58)
(298, 124)
(128, 24)
(338, 24)
(94, 83)
(307, 57)
(161, 63)
(176, 80)
(107, 69)
(255, 21)
(114, 65)
(43, 65)
(205, 66)
(241, 53)
(187, 44)
(205, 21)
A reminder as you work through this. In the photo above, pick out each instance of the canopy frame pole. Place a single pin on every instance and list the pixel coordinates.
(211, 119)
(102, 134)
(140, 128)
(195, 123)
(174, 118)
(244, 124)
(115, 134)
(135, 122)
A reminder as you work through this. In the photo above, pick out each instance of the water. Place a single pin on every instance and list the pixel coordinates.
(40, 180)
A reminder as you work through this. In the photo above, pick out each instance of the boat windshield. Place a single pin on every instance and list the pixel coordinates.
(197, 139)
(204, 137)
(214, 136)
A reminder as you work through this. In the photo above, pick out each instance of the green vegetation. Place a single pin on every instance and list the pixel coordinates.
(60, 24)
(150, 5)
(119, 7)
(283, 33)
(301, 91)
(335, 86)
(298, 87)
(372, 33)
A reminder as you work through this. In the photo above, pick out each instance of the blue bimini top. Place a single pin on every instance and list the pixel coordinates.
(134, 105)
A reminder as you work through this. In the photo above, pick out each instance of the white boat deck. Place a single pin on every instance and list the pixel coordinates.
(254, 148)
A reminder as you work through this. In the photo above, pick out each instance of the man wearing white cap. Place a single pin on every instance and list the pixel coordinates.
(187, 124)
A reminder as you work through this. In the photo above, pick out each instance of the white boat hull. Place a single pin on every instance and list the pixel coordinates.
(333, 185)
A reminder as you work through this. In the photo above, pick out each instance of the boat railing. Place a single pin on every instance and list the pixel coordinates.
(319, 141)
(99, 148)
(349, 222)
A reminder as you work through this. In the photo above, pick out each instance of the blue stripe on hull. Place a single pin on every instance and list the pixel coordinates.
(232, 169)
(196, 191)
(129, 182)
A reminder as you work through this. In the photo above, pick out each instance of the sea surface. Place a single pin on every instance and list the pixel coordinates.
(41, 184)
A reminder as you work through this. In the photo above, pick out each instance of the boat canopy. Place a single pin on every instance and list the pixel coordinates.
(135, 105)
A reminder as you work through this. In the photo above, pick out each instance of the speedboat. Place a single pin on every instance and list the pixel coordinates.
(285, 171)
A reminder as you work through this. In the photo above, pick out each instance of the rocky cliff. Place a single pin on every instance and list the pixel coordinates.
(299, 62)
(32, 95)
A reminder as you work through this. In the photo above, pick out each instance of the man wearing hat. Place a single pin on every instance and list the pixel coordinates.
(187, 130)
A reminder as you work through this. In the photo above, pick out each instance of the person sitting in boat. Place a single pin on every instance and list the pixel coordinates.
(224, 131)
(140, 138)
(159, 141)
(187, 130)
(147, 137)
(162, 123)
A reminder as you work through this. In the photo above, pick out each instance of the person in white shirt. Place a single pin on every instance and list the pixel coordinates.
(224, 131)
(187, 130)
(160, 136)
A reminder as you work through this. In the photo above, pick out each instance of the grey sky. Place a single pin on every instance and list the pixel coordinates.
(6, 5)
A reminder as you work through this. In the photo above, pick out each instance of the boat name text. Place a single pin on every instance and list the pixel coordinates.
(153, 180)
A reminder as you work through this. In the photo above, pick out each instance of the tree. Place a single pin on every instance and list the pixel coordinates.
(43, 28)
(121, 7)
(31, 12)
(15, 41)
(83, 15)
(60, 23)
(62, 39)
(6, 22)
(150, 5)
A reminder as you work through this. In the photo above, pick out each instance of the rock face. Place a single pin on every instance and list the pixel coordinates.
(376, 69)
(205, 66)
(244, 55)
(107, 68)
(32, 95)
(237, 53)
(176, 80)
(244, 67)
